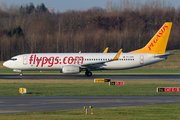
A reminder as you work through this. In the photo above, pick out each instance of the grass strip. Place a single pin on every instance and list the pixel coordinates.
(82, 87)
(149, 112)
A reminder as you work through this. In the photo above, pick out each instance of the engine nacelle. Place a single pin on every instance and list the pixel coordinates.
(70, 69)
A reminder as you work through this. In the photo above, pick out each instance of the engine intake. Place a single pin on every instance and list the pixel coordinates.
(71, 69)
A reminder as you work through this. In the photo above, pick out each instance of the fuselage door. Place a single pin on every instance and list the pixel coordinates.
(141, 59)
(25, 60)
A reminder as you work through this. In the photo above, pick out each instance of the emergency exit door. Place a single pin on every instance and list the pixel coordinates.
(141, 59)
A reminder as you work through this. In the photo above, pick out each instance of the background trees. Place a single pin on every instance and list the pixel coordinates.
(127, 24)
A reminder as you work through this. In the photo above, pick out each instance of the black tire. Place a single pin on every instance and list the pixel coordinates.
(89, 74)
(86, 73)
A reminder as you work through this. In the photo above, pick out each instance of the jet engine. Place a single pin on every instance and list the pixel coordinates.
(70, 69)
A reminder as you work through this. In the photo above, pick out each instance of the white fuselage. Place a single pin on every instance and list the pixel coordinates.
(55, 61)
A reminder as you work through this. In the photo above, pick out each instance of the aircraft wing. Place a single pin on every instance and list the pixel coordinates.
(101, 63)
(93, 64)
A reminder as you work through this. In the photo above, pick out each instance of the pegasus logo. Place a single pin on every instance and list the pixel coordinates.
(159, 35)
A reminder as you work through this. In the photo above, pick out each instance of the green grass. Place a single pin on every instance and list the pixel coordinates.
(149, 112)
(82, 88)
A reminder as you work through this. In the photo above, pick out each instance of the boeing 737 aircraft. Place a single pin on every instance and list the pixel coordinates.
(70, 63)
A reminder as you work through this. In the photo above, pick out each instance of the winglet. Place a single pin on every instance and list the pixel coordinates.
(105, 51)
(117, 55)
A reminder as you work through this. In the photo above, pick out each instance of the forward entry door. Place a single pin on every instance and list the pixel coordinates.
(25, 60)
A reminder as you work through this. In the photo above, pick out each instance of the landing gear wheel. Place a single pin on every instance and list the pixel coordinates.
(88, 73)
(20, 74)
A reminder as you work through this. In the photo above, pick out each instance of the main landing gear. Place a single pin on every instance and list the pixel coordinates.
(88, 73)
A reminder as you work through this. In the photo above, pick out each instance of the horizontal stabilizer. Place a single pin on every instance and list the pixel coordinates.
(163, 55)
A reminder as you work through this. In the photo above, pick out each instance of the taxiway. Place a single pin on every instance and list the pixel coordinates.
(83, 77)
(20, 104)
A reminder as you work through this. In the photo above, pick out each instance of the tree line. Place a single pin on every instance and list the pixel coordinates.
(127, 24)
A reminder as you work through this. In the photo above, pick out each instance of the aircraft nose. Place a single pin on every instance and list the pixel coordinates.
(6, 64)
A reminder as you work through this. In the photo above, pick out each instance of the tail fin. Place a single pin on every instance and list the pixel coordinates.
(157, 45)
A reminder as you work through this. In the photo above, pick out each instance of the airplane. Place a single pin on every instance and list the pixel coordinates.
(70, 63)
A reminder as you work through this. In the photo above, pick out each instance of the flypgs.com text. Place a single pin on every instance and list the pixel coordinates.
(41, 61)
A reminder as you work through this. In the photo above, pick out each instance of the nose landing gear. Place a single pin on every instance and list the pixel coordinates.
(20, 74)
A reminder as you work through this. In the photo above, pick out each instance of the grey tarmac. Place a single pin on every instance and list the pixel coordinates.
(83, 77)
(21, 104)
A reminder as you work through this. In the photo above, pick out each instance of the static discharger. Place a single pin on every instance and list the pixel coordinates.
(102, 80)
(22, 90)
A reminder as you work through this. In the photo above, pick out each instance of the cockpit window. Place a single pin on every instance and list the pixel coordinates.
(13, 59)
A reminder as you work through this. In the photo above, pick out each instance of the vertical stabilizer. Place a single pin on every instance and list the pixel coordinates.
(157, 45)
